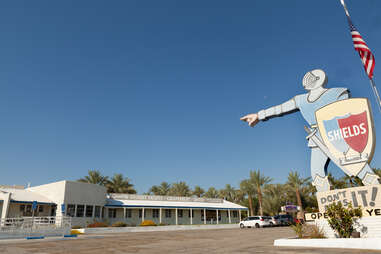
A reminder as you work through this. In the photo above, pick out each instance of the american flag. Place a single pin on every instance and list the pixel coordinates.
(366, 55)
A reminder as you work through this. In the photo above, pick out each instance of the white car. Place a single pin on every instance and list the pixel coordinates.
(255, 221)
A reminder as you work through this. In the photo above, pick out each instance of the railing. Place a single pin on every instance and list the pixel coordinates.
(25, 226)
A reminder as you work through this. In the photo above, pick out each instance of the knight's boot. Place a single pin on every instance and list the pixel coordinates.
(367, 176)
(370, 179)
(321, 183)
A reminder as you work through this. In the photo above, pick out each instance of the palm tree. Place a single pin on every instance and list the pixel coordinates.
(259, 181)
(120, 184)
(228, 193)
(340, 183)
(212, 193)
(274, 198)
(308, 196)
(247, 188)
(238, 196)
(155, 190)
(198, 191)
(162, 189)
(296, 183)
(377, 171)
(180, 189)
(94, 177)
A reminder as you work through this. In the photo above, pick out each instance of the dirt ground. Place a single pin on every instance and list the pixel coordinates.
(192, 241)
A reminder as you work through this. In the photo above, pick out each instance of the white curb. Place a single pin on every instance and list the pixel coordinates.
(347, 243)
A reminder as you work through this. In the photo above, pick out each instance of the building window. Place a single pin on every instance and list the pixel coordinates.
(22, 208)
(28, 211)
(80, 210)
(70, 210)
(103, 212)
(97, 212)
(128, 213)
(40, 208)
(89, 211)
(112, 213)
(190, 213)
(168, 213)
(155, 213)
(141, 212)
(235, 213)
(180, 213)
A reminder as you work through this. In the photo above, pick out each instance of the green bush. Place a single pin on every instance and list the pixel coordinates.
(298, 229)
(119, 224)
(97, 224)
(341, 219)
(76, 227)
(148, 223)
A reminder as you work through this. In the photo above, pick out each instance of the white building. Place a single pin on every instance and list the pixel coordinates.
(87, 203)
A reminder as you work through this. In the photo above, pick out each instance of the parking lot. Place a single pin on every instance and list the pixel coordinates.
(248, 240)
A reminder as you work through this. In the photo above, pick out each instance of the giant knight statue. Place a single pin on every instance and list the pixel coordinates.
(317, 96)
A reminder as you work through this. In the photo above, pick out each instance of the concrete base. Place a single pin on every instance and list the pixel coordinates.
(155, 228)
(369, 227)
(347, 243)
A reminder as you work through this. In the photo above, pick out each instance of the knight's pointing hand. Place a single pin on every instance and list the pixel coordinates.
(251, 119)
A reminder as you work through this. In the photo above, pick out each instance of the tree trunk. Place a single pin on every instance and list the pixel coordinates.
(299, 200)
(250, 204)
(260, 202)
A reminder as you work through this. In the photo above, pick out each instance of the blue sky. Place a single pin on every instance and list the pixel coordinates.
(155, 89)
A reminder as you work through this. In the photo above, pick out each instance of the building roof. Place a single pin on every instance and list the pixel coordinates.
(25, 196)
(172, 202)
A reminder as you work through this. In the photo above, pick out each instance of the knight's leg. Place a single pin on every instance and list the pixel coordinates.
(319, 163)
(367, 176)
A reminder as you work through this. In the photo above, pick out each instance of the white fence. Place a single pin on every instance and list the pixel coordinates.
(34, 226)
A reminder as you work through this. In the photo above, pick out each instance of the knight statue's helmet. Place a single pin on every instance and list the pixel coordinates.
(314, 79)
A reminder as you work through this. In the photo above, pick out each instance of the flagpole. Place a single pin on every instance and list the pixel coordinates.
(372, 83)
(376, 94)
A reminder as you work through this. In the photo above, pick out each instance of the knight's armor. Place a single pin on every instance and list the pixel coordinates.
(302, 103)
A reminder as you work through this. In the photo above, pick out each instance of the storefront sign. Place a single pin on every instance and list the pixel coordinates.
(366, 197)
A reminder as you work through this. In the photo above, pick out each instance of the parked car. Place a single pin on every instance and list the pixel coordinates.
(285, 219)
(255, 221)
(298, 221)
(275, 220)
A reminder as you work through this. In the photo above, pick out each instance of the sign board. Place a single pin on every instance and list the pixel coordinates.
(123, 196)
(290, 208)
(366, 197)
(367, 212)
(34, 205)
(346, 128)
(63, 208)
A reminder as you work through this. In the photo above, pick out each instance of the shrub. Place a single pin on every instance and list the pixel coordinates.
(313, 231)
(341, 219)
(76, 227)
(298, 229)
(148, 223)
(97, 224)
(307, 231)
(119, 224)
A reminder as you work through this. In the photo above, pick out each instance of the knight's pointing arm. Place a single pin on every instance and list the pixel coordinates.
(285, 108)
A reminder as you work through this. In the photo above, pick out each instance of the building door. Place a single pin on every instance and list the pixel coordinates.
(53, 210)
